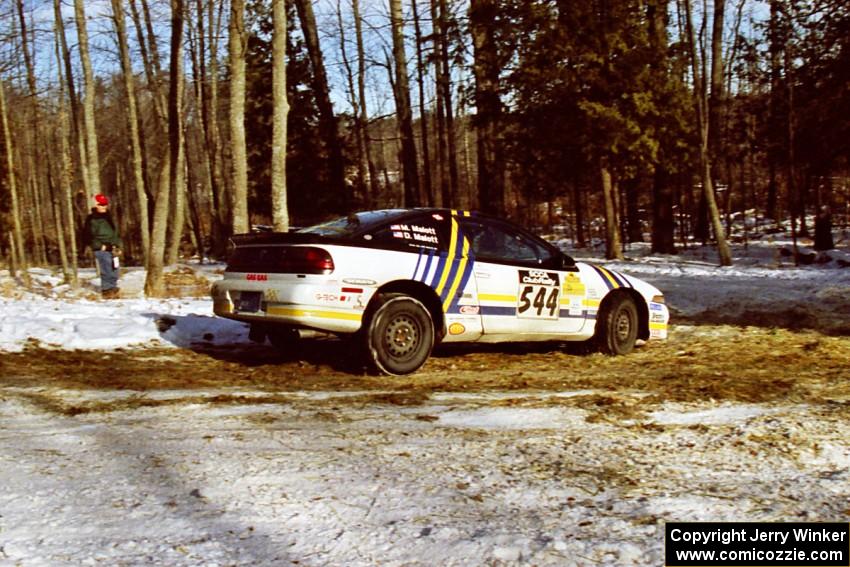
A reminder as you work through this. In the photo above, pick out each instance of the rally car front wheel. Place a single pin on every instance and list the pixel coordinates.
(617, 325)
(400, 334)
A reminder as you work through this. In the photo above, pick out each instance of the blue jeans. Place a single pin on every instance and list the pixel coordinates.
(108, 274)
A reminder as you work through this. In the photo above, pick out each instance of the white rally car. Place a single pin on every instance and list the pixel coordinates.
(404, 280)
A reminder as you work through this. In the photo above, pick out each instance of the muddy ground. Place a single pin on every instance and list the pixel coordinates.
(697, 364)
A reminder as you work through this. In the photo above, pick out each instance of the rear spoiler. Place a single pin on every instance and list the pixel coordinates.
(262, 238)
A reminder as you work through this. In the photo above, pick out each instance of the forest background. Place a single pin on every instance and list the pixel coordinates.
(608, 118)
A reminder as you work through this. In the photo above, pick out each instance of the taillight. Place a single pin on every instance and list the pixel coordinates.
(304, 260)
(280, 260)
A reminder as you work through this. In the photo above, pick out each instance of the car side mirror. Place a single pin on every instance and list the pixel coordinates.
(567, 261)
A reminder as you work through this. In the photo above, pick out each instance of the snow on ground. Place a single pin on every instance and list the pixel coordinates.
(429, 485)
(56, 316)
(457, 480)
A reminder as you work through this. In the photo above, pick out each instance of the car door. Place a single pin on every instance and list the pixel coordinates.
(443, 263)
(525, 289)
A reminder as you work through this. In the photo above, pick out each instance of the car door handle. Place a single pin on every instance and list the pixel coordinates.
(482, 274)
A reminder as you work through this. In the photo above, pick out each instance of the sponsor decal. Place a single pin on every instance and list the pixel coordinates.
(656, 317)
(469, 309)
(347, 296)
(257, 277)
(456, 329)
(415, 232)
(573, 285)
(357, 281)
(539, 277)
(656, 307)
(539, 294)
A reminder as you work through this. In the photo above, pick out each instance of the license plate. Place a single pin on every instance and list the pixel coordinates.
(250, 301)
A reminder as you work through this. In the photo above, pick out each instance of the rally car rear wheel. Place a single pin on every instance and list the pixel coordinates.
(400, 334)
(617, 327)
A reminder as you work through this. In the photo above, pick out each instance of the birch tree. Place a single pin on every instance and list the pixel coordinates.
(239, 153)
(154, 282)
(133, 126)
(11, 184)
(280, 211)
(92, 156)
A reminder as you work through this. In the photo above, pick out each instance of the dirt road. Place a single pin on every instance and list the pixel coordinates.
(521, 454)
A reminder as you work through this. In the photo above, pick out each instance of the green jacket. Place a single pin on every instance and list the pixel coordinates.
(99, 230)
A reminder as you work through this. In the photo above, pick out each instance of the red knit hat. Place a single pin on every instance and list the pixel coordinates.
(101, 199)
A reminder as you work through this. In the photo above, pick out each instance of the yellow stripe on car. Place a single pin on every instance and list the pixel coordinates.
(458, 275)
(449, 259)
(496, 297)
(610, 277)
(289, 312)
(657, 326)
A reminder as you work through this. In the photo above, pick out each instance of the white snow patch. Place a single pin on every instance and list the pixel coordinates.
(727, 413)
(512, 418)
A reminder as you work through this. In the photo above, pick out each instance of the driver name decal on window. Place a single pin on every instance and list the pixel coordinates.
(539, 294)
(415, 234)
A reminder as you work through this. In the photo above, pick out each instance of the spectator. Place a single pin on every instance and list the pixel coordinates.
(100, 233)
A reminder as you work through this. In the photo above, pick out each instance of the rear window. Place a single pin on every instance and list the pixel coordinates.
(410, 234)
(352, 224)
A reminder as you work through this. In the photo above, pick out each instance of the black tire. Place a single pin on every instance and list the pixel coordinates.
(617, 326)
(283, 338)
(400, 334)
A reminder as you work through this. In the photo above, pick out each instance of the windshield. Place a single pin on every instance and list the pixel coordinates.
(353, 223)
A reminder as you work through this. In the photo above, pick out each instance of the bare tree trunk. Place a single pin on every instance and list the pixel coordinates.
(361, 191)
(36, 155)
(442, 146)
(177, 222)
(374, 184)
(92, 157)
(491, 167)
(133, 125)
(238, 45)
(280, 210)
(77, 130)
(220, 191)
(56, 210)
(402, 90)
(65, 166)
(703, 122)
(446, 88)
(13, 254)
(208, 97)
(663, 225)
(11, 183)
(428, 191)
(613, 245)
(327, 120)
(154, 283)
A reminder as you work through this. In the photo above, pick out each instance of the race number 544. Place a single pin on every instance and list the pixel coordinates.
(539, 301)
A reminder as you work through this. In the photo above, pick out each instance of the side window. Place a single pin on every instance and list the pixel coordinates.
(491, 241)
(420, 232)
